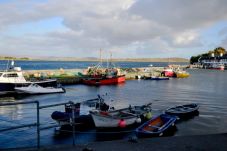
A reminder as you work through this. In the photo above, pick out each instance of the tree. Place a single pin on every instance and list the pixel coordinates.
(194, 59)
(219, 50)
(210, 52)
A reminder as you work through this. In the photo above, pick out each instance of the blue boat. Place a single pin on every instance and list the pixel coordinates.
(156, 78)
(82, 117)
(156, 126)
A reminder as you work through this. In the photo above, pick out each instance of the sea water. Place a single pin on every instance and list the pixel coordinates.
(205, 87)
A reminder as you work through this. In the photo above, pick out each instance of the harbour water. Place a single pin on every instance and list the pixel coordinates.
(44, 65)
(205, 87)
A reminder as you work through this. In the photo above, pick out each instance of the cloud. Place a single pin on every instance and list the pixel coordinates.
(182, 14)
(129, 27)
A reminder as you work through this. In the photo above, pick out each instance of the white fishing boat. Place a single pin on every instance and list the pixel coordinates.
(113, 119)
(37, 89)
(120, 118)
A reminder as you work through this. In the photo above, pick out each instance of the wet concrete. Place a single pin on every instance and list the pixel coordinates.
(213, 142)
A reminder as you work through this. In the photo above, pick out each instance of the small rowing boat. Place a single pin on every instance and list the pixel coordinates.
(183, 110)
(156, 126)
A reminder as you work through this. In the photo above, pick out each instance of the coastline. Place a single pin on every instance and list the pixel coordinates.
(97, 60)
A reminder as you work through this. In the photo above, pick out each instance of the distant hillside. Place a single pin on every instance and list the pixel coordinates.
(153, 60)
(117, 60)
(13, 58)
(97, 59)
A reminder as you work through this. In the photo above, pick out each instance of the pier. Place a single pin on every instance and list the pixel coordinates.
(74, 76)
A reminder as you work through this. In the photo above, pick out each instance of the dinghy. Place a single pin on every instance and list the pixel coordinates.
(37, 89)
(183, 110)
(156, 126)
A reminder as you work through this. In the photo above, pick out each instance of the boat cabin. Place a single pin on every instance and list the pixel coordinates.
(12, 76)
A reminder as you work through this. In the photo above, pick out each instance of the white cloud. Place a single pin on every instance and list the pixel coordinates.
(139, 27)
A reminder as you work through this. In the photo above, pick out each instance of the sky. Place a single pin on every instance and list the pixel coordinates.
(126, 28)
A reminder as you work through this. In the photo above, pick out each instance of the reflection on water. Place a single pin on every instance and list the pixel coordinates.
(205, 87)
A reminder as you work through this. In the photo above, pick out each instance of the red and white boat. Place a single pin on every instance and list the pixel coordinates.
(98, 75)
(169, 72)
(105, 80)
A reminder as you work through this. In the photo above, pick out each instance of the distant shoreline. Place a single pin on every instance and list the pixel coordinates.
(104, 60)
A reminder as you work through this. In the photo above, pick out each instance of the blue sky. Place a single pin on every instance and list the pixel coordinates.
(129, 28)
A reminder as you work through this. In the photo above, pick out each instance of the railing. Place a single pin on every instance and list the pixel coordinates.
(37, 123)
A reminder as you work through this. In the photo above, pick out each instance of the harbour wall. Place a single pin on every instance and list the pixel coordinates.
(74, 76)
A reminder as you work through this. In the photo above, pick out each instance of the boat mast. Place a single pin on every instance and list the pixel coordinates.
(111, 58)
(100, 55)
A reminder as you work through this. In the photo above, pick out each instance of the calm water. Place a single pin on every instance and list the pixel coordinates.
(205, 87)
(42, 65)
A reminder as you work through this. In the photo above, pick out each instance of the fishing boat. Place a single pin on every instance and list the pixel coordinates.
(81, 110)
(13, 77)
(99, 75)
(34, 88)
(121, 118)
(183, 110)
(156, 126)
(156, 78)
(113, 119)
(104, 80)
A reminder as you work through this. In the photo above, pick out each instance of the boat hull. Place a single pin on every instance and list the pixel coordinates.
(26, 90)
(183, 75)
(218, 68)
(109, 121)
(183, 110)
(64, 118)
(104, 81)
(157, 78)
(156, 126)
(9, 87)
(169, 74)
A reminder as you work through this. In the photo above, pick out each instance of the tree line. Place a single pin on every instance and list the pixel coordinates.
(13, 58)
